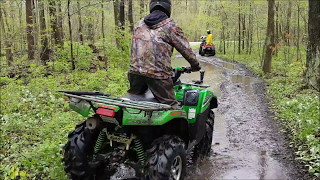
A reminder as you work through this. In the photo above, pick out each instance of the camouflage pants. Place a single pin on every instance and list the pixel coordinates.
(162, 89)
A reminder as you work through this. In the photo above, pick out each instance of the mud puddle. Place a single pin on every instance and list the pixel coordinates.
(246, 140)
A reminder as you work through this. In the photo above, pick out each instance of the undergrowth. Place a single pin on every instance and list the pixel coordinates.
(296, 107)
(35, 118)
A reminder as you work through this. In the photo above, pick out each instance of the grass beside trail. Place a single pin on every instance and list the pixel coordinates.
(35, 119)
(296, 107)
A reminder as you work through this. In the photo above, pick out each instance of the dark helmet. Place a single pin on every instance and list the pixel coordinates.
(162, 5)
(208, 31)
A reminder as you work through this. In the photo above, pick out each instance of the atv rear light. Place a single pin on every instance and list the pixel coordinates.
(106, 112)
(105, 106)
(192, 113)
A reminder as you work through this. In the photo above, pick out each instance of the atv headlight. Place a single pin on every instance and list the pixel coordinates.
(191, 97)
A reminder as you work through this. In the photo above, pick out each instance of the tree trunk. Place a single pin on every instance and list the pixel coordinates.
(45, 51)
(288, 22)
(130, 15)
(122, 15)
(116, 10)
(59, 24)
(243, 30)
(29, 29)
(277, 26)
(239, 23)
(53, 22)
(141, 8)
(80, 22)
(269, 43)
(312, 73)
(102, 21)
(73, 67)
(7, 40)
(91, 26)
(298, 33)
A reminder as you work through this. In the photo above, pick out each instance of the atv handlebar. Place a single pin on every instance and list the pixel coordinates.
(178, 71)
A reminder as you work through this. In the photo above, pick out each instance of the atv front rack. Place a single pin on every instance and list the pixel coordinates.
(123, 103)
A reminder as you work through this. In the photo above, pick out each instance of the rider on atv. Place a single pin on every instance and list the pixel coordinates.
(152, 44)
(209, 38)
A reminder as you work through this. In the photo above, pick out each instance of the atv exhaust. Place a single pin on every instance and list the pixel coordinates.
(94, 124)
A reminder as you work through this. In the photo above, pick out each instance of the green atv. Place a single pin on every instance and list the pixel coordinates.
(137, 137)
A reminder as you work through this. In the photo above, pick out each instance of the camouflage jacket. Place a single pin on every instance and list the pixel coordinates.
(152, 48)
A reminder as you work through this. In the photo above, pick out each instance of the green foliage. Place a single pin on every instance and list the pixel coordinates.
(295, 107)
(82, 53)
(35, 119)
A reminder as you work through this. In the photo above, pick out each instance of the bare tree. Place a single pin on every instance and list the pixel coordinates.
(7, 41)
(141, 8)
(45, 51)
(269, 43)
(80, 22)
(29, 29)
(130, 15)
(122, 15)
(312, 73)
(73, 67)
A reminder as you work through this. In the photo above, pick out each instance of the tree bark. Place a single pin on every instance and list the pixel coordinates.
(141, 8)
(29, 29)
(80, 22)
(269, 43)
(122, 15)
(116, 10)
(53, 22)
(91, 27)
(239, 23)
(130, 15)
(59, 23)
(298, 33)
(312, 73)
(73, 67)
(102, 21)
(7, 39)
(243, 30)
(45, 51)
(288, 22)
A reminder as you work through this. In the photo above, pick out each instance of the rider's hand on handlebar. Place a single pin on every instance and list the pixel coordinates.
(196, 68)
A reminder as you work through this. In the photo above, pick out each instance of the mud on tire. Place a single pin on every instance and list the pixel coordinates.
(166, 152)
(80, 144)
(204, 146)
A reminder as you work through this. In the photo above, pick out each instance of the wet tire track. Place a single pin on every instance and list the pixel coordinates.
(252, 146)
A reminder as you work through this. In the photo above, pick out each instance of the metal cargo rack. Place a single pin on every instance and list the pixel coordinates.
(123, 103)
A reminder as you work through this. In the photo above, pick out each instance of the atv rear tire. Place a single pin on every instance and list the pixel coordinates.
(166, 159)
(202, 53)
(80, 145)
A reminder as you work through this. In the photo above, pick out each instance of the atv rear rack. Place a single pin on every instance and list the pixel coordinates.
(123, 103)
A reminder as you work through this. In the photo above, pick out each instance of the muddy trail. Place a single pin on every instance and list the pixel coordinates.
(247, 142)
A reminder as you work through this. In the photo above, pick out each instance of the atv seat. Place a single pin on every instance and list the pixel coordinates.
(147, 96)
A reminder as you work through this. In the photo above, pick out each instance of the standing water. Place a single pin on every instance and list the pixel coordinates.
(239, 149)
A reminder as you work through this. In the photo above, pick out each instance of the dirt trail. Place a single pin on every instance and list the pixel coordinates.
(247, 141)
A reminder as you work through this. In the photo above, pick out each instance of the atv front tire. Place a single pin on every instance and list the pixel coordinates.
(203, 148)
(209, 132)
(166, 159)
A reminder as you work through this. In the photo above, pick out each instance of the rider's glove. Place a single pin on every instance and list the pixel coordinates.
(196, 68)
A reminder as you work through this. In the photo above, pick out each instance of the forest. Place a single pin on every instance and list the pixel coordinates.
(52, 45)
